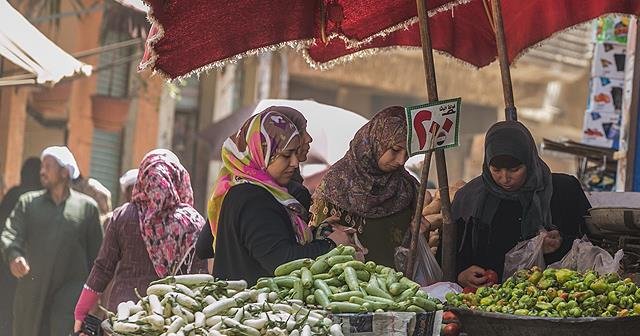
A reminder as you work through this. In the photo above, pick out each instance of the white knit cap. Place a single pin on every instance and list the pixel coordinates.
(128, 179)
(64, 157)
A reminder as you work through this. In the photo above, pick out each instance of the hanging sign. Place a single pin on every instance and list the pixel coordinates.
(432, 126)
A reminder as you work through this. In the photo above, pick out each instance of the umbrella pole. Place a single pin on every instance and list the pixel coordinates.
(510, 111)
(449, 235)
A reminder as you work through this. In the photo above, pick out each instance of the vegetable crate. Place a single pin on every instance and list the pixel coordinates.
(390, 323)
(479, 323)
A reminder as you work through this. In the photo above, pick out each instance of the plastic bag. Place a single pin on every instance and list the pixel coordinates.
(426, 269)
(439, 290)
(524, 255)
(585, 256)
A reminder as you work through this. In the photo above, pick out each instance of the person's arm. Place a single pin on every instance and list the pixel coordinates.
(266, 234)
(573, 224)
(204, 244)
(103, 268)
(13, 236)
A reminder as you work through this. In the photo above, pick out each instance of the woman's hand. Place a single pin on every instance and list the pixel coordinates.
(340, 236)
(77, 328)
(552, 241)
(472, 277)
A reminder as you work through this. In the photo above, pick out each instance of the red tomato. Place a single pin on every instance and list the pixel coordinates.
(449, 316)
(469, 290)
(451, 329)
(492, 276)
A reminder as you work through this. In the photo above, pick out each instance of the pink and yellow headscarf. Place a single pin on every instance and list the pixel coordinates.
(245, 158)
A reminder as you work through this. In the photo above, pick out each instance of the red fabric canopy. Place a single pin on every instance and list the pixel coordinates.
(465, 32)
(192, 35)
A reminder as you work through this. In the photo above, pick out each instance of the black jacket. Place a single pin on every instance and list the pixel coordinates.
(569, 205)
(255, 236)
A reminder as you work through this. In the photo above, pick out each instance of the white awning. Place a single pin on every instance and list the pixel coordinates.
(135, 4)
(24, 45)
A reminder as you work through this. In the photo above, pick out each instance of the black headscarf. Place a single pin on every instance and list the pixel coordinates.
(481, 197)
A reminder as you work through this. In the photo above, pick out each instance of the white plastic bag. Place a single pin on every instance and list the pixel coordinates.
(585, 256)
(524, 255)
(427, 270)
(439, 290)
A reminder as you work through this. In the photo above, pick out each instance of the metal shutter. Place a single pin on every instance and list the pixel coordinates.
(105, 159)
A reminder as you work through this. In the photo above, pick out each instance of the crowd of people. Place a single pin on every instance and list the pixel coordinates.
(259, 216)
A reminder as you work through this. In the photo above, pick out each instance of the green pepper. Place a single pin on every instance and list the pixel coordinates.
(564, 275)
(523, 312)
(580, 287)
(590, 278)
(575, 312)
(638, 294)
(535, 277)
(485, 301)
(613, 297)
(569, 285)
(544, 306)
(600, 286)
(545, 283)
(636, 308)
(613, 277)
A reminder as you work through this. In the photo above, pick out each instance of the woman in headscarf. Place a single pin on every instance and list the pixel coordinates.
(256, 223)
(204, 245)
(369, 188)
(150, 238)
(515, 198)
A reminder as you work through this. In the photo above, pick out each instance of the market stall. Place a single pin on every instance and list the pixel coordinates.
(356, 288)
(335, 294)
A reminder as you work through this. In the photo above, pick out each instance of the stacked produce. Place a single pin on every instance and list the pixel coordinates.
(555, 293)
(432, 212)
(341, 284)
(199, 305)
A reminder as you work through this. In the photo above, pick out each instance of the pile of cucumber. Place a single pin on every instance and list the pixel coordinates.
(341, 284)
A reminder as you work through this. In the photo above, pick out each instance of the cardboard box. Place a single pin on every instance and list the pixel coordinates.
(609, 60)
(612, 28)
(601, 129)
(606, 94)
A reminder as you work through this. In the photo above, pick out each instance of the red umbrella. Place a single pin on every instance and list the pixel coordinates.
(467, 32)
(196, 35)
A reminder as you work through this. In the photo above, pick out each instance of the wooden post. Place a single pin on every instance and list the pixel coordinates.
(448, 229)
(510, 111)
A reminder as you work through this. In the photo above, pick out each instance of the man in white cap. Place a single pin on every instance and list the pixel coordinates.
(50, 242)
(127, 180)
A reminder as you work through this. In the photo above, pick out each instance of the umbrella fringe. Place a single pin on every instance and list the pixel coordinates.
(151, 63)
(373, 51)
(354, 43)
(370, 52)
(523, 52)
